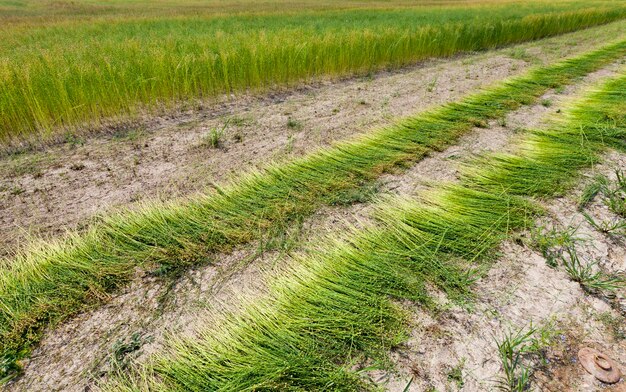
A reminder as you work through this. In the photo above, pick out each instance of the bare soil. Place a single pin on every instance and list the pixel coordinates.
(44, 193)
(81, 352)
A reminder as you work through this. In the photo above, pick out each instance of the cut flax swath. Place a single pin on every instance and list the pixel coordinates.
(334, 309)
(76, 75)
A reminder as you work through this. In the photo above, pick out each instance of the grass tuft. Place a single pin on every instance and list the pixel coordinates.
(519, 351)
(553, 242)
(213, 139)
(587, 274)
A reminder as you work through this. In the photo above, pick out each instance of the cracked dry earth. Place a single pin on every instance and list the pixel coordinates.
(44, 193)
(519, 288)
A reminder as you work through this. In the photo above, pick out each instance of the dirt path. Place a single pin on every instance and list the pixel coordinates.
(46, 193)
(82, 350)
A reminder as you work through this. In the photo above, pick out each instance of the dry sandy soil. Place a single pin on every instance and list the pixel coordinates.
(47, 192)
(167, 160)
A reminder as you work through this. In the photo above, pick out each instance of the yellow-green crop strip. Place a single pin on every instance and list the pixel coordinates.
(333, 309)
(43, 286)
(59, 74)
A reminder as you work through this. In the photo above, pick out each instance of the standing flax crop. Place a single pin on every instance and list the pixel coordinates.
(65, 75)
